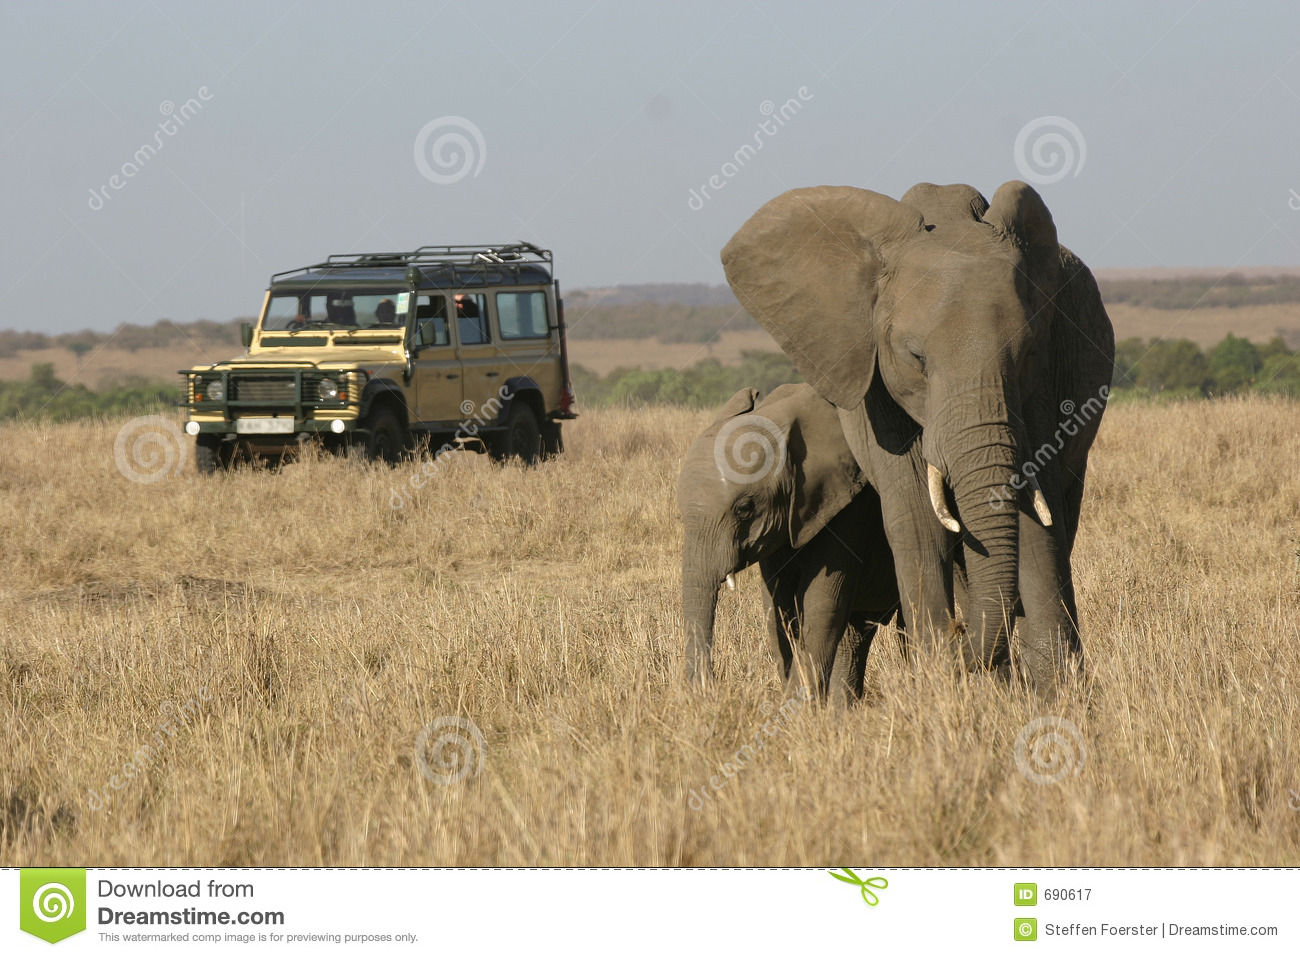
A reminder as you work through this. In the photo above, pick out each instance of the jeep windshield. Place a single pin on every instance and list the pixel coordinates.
(343, 309)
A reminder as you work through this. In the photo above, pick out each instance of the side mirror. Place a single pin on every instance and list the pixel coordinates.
(246, 333)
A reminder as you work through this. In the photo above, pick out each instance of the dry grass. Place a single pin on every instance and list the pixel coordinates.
(328, 628)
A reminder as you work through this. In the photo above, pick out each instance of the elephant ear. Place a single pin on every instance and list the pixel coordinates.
(808, 266)
(1020, 215)
(947, 205)
(826, 476)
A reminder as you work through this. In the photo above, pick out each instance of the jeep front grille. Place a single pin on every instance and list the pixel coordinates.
(275, 389)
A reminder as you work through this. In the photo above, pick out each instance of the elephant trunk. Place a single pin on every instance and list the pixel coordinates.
(704, 569)
(984, 455)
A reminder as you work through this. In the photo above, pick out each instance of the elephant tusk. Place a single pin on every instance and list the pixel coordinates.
(937, 499)
(731, 582)
(1040, 504)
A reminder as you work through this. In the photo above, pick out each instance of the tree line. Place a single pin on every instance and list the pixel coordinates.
(1180, 368)
(1154, 368)
(44, 396)
(674, 313)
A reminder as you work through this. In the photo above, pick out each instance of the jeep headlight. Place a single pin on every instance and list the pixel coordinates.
(329, 390)
(216, 392)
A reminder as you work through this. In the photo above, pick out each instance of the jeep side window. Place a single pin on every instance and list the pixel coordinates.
(431, 321)
(471, 316)
(522, 315)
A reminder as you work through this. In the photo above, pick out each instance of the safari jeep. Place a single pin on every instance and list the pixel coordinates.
(462, 345)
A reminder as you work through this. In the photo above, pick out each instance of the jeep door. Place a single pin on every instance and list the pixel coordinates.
(529, 338)
(437, 378)
(481, 361)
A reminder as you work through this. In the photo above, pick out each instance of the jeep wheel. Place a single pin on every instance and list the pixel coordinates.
(521, 438)
(211, 454)
(382, 440)
(552, 440)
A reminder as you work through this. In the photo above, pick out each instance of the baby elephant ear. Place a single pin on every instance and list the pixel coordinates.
(740, 403)
(807, 266)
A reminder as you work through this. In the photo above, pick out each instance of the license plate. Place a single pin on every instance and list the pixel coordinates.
(255, 426)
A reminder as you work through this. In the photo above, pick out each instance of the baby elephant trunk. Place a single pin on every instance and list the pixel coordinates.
(704, 569)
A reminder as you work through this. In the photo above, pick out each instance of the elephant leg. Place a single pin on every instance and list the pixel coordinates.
(830, 578)
(851, 659)
(903, 644)
(922, 552)
(782, 613)
(887, 444)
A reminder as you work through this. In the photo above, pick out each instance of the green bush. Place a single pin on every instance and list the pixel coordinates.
(1234, 363)
(44, 396)
(1178, 368)
(706, 384)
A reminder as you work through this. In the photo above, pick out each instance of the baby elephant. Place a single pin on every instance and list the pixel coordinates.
(777, 484)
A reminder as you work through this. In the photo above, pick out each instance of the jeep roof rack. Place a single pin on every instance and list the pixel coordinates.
(517, 262)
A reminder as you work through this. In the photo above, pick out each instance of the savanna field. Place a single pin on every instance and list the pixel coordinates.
(276, 641)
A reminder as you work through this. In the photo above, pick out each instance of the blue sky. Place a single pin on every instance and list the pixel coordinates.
(588, 125)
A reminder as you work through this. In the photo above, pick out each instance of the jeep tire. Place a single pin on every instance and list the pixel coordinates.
(521, 437)
(552, 440)
(381, 439)
(212, 454)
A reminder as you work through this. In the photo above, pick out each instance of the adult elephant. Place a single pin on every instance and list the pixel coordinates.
(969, 356)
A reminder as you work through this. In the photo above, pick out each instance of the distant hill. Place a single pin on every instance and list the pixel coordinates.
(681, 294)
(1200, 304)
(1258, 303)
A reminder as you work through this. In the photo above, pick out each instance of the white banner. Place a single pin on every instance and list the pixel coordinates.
(650, 911)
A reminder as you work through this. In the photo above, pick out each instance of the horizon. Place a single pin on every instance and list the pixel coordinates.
(620, 293)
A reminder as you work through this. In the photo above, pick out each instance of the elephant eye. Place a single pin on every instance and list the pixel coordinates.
(744, 509)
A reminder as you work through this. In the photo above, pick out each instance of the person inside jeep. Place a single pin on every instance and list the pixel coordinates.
(385, 313)
(472, 322)
(339, 312)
